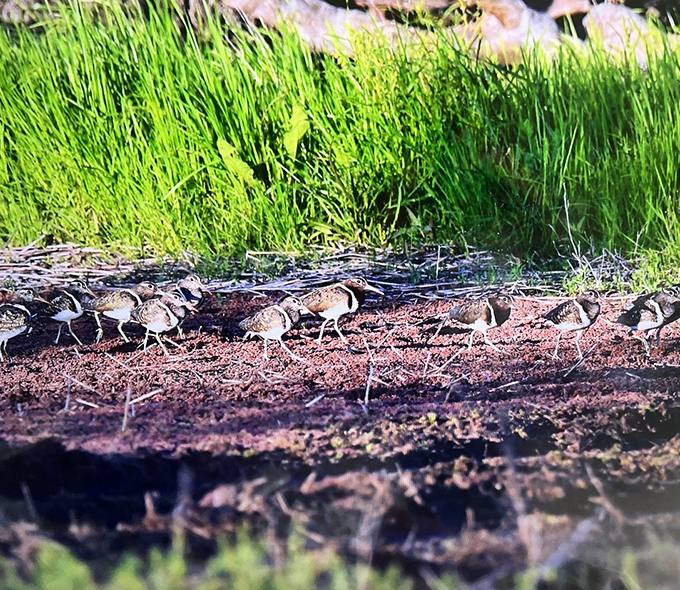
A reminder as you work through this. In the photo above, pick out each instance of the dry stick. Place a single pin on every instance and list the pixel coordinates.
(68, 395)
(86, 403)
(368, 350)
(504, 386)
(316, 400)
(368, 384)
(88, 387)
(565, 552)
(580, 361)
(450, 388)
(28, 498)
(121, 363)
(141, 398)
(604, 500)
(427, 363)
(126, 411)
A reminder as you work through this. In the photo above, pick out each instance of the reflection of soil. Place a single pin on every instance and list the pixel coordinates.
(411, 477)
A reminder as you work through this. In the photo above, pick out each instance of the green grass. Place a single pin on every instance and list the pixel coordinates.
(244, 565)
(247, 565)
(121, 131)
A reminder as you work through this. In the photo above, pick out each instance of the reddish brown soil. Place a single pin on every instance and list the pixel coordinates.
(413, 476)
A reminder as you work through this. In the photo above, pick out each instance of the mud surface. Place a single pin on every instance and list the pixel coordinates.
(480, 463)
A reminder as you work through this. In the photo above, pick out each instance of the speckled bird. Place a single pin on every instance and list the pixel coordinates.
(272, 322)
(16, 317)
(336, 300)
(67, 305)
(652, 311)
(118, 305)
(192, 289)
(483, 314)
(574, 315)
(160, 315)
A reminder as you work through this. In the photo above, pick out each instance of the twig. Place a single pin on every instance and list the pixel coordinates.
(368, 384)
(86, 403)
(88, 387)
(316, 400)
(141, 398)
(580, 361)
(28, 498)
(126, 411)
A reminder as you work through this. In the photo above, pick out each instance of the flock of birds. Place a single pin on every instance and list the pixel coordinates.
(159, 311)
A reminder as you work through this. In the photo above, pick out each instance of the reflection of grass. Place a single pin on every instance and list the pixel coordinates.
(138, 132)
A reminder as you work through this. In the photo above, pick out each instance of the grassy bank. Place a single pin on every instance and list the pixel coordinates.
(137, 132)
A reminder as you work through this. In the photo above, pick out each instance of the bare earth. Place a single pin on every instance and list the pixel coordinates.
(480, 464)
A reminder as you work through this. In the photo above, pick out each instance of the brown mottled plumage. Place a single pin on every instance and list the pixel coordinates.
(16, 317)
(652, 311)
(574, 315)
(160, 315)
(336, 300)
(118, 305)
(192, 289)
(272, 322)
(482, 314)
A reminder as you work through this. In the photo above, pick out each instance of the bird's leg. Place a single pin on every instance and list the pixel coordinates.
(7, 354)
(658, 337)
(578, 347)
(472, 335)
(180, 332)
(290, 352)
(555, 355)
(322, 329)
(146, 340)
(120, 329)
(265, 349)
(342, 336)
(2, 359)
(486, 339)
(100, 330)
(165, 350)
(72, 334)
(61, 325)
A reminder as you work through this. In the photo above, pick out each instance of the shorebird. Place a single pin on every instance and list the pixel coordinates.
(574, 315)
(652, 311)
(272, 322)
(192, 289)
(482, 314)
(67, 305)
(336, 300)
(16, 317)
(160, 316)
(118, 305)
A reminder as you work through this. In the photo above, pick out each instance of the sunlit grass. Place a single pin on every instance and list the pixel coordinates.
(139, 132)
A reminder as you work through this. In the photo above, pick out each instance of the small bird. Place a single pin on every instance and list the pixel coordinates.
(482, 314)
(67, 305)
(272, 322)
(575, 314)
(336, 300)
(16, 317)
(192, 289)
(159, 316)
(652, 311)
(117, 305)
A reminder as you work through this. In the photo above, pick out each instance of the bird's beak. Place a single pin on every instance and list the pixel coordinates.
(305, 311)
(40, 299)
(374, 289)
